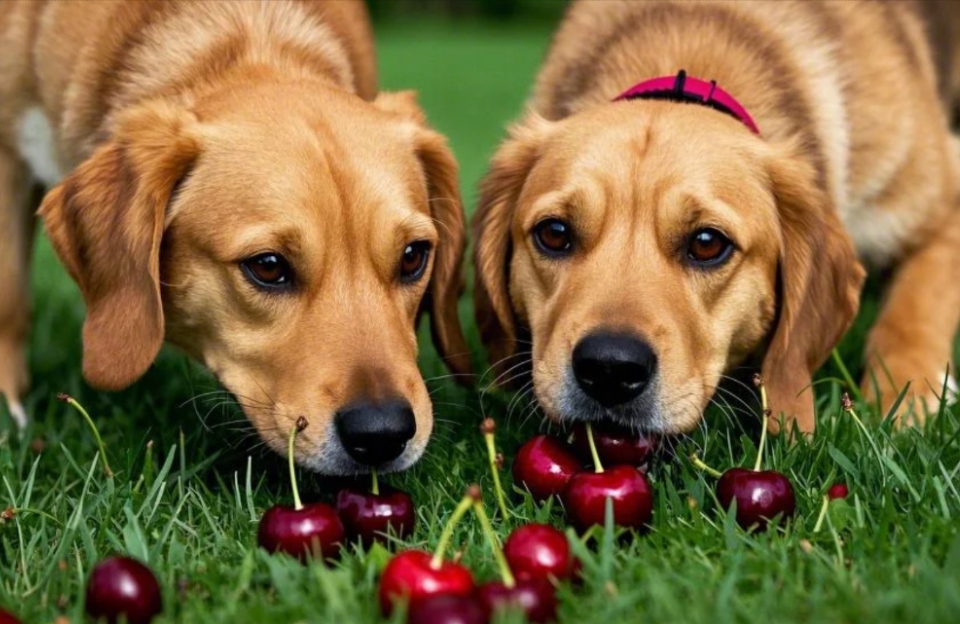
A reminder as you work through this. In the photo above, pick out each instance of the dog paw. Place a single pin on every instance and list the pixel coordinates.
(923, 397)
(19, 414)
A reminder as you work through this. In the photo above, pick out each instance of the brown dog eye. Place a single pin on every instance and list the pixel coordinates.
(554, 237)
(414, 261)
(268, 270)
(708, 247)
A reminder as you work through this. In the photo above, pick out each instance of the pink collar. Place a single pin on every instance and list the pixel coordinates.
(681, 88)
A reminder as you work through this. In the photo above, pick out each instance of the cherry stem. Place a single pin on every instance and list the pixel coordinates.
(506, 575)
(597, 466)
(300, 425)
(823, 514)
(765, 415)
(463, 507)
(69, 400)
(705, 468)
(375, 485)
(488, 429)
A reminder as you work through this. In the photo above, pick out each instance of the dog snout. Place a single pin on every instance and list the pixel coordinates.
(376, 433)
(613, 368)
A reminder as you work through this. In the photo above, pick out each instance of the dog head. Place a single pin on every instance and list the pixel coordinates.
(288, 238)
(649, 248)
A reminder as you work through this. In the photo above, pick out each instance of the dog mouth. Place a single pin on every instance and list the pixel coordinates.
(331, 458)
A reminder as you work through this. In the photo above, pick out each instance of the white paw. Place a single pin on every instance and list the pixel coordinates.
(18, 413)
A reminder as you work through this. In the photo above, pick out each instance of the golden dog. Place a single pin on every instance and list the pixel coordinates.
(235, 185)
(652, 245)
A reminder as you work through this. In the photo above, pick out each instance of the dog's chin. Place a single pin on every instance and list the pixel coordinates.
(333, 460)
(645, 414)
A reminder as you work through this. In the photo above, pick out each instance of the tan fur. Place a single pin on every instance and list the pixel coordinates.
(199, 134)
(855, 157)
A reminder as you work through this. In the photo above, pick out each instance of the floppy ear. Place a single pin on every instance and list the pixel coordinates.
(105, 221)
(446, 208)
(499, 192)
(820, 281)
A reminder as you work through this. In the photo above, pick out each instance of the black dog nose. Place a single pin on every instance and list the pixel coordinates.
(613, 368)
(375, 433)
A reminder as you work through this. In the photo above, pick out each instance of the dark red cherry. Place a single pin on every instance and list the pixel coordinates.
(539, 551)
(371, 517)
(838, 490)
(447, 609)
(615, 445)
(314, 530)
(586, 495)
(123, 589)
(8, 618)
(537, 598)
(410, 576)
(544, 465)
(760, 496)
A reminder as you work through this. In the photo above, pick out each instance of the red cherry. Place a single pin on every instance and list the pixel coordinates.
(313, 530)
(838, 490)
(586, 494)
(447, 609)
(371, 517)
(409, 575)
(539, 551)
(615, 444)
(8, 618)
(760, 495)
(121, 588)
(544, 465)
(537, 598)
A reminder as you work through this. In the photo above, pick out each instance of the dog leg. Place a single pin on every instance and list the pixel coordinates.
(16, 240)
(912, 340)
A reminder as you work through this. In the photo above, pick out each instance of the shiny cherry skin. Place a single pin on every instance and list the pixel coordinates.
(760, 496)
(369, 517)
(586, 494)
(409, 576)
(838, 490)
(540, 551)
(315, 529)
(615, 445)
(8, 618)
(447, 609)
(536, 597)
(121, 588)
(544, 465)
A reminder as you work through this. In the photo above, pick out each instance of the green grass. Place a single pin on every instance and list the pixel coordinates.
(891, 555)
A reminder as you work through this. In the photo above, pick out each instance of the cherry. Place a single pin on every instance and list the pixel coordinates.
(8, 618)
(447, 609)
(488, 428)
(301, 530)
(370, 516)
(838, 490)
(544, 465)
(760, 494)
(615, 444)
(123, 589)
(585, 496)
(415, 575)
(537, 598)
(539, 551)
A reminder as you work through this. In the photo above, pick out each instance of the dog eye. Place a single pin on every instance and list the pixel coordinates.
(414, 261)
(553, 237)
(268, 270)
(708, 247)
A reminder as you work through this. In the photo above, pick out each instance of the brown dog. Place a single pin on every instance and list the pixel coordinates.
(649, 246)
(237, 187)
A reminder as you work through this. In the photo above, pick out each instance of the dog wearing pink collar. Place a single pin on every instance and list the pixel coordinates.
(637, 247)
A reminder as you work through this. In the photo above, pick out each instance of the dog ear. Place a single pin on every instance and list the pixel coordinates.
(820, 282)
(492, 223)
(446, 207)
(105, 221)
